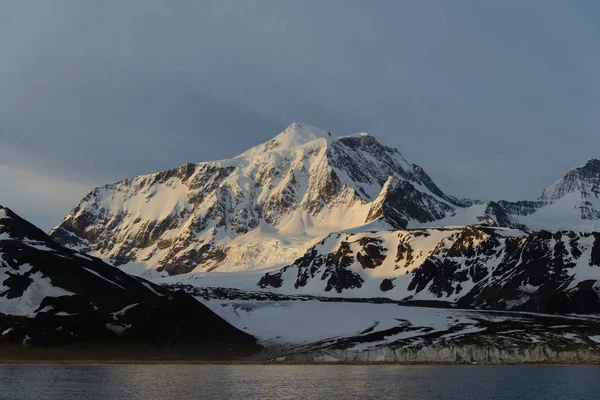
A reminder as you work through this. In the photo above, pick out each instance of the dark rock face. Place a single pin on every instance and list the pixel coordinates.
(273, 280)
(429, 184)
(405, 253)
(333, 269)
(336, 273)
(176, 263)
(595, 259)
(386, 285)
(351, 159)
(473, 267)
(537, 275)
(522, 208)
(498, 213)
(372, 255)
(400, 202)
(83, 301)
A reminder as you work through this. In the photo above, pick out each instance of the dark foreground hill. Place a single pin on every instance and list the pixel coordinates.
(57, 303)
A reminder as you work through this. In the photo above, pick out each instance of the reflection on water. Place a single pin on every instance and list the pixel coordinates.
(296, 381)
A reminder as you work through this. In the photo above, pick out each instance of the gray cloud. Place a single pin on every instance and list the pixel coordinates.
(493, 99)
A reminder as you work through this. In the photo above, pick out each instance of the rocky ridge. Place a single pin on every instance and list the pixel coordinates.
(471, 267)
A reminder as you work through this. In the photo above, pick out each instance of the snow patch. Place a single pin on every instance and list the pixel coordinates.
(100, 276)
(123, 311)
(26, 305)
(595, 338)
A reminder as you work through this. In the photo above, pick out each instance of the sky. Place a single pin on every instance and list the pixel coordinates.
(494, 99)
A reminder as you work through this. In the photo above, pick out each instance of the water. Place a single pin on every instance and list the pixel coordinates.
(232, 382)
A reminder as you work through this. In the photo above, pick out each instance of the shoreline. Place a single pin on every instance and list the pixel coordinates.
(283, 363)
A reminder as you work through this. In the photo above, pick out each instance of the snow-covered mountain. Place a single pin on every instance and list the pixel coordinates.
(263, 208)
(53, 296)
(481, 267)
(571, 203)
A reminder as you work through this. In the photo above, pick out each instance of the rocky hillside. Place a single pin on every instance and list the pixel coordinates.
(53, 296)
(481, 267)
(262, 208)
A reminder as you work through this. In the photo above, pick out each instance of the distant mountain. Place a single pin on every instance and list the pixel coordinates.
(571, 203)
(262, 208)
(583, 181)
(479, 267)
(52, 296)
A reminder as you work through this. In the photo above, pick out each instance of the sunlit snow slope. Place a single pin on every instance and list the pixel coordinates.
(261, 209)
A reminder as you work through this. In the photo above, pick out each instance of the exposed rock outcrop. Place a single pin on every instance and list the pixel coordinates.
(481, 267)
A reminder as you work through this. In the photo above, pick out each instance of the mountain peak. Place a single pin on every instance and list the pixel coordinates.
(592, 163)
(298, 134)
(584, 179)
(13, 227)
(233, 214)
(294, 136)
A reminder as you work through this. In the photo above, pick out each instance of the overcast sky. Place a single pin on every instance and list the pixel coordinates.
(495, 99)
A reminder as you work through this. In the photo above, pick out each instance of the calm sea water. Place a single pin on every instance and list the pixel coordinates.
(151, 382)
